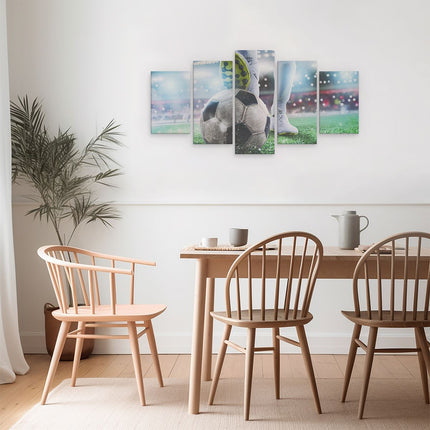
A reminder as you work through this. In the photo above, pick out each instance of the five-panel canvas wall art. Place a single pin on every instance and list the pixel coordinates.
(253, 103)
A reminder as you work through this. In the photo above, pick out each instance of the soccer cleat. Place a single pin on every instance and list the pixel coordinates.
(226, 69)
(285, 128)
(242, 73)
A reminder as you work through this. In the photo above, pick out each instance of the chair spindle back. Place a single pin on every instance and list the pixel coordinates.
(294, 258)
(392, 279)
(78, 275)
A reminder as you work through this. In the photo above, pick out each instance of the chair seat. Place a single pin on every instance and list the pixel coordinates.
(135, 312)
(397, 320)
(257, 322)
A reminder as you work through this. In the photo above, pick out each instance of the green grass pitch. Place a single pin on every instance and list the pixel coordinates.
(171, 129)
(197, 136)
(269, 146)
(307, 127)
(339, 124)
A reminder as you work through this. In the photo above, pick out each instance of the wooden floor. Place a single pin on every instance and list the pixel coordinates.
(17, 398)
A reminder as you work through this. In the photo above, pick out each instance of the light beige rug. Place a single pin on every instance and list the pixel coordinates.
(113, 404)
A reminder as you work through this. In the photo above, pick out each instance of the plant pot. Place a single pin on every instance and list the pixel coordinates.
(52, 326)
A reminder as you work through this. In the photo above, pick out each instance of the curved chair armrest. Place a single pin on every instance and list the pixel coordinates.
(91, 267)
(134, 260)
(42, 252)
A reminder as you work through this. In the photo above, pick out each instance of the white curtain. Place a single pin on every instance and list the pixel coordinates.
(12, 360)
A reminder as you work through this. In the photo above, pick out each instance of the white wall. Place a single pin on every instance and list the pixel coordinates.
(90, 61)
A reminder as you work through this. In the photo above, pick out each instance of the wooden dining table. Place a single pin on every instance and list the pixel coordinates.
(211, 264)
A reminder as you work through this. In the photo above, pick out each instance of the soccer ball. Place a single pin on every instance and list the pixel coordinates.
(216, 119)
(252, 122)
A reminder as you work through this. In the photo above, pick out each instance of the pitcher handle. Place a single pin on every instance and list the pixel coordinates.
(367, 225)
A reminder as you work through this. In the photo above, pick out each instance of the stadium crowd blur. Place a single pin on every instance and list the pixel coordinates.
(170, 112)
(338, 91)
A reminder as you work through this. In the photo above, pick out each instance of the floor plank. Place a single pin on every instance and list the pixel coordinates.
(167, 363)
(411, 363)
(326, 366)
(181, 368)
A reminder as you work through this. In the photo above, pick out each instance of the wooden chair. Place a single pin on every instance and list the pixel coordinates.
(293, 260)
(79, 275)
(401, 301)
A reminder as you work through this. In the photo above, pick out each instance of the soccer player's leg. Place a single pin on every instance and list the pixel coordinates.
(287, 69)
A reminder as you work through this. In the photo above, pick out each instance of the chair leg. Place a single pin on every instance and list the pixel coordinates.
(78, 351)
(308, 364)
(351, 359)
(276, 361)
(59, 345)
(249, 365)
(132, 334)
(425, 346)
(219, 363)
(154, 352)
(423, 368)
(373, 332)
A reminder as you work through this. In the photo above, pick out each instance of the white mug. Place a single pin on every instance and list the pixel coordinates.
(209, 242)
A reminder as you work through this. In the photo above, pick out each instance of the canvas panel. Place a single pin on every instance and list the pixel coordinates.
(212, 102)
(170, 102)
(339, 102)
(254, 96)
(296, 112)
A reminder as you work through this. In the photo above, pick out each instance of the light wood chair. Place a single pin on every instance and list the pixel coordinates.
(79, 275)
(401, 301)
(293, 258)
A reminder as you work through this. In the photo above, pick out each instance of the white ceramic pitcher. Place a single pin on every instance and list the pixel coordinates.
(349, 229)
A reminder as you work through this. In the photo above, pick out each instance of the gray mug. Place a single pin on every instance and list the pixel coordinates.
(238, 236)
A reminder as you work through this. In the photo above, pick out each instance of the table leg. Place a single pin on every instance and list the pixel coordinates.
(208, 333)
(197, 339)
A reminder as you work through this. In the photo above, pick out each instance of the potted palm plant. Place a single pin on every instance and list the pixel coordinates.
(64, 178)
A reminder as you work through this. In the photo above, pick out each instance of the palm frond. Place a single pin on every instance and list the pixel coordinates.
(107, 174)
(28, 135)
(97, 150)
(103, 212)
(88, 210)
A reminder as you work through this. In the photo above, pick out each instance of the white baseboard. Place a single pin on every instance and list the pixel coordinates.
(180, 343)
(33, 342)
